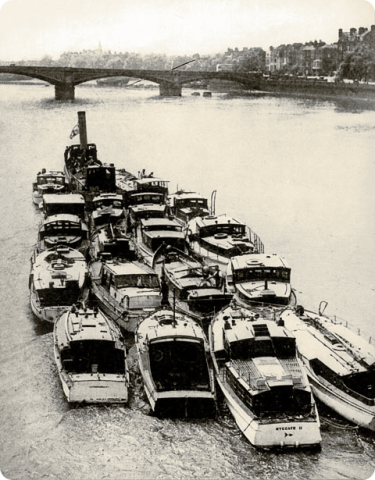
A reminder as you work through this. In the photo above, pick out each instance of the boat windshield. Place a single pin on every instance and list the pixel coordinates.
(191, 202)
(134, 280)
(62, 228)
(179, 365)
(108, 202)
(139, 199)
(169, 228)
(51, 179)
(228, 228)
(93, 356)
(259, 274)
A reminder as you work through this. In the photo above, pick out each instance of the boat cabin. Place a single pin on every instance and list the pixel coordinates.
(155, 231)
(70, 203)
(144, 184)
(187, 205)
(107, 208)
(62, 229)
(258, 268)
(147, 205)
(51, 181)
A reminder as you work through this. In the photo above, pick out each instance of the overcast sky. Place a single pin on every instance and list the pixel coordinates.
(30, 29)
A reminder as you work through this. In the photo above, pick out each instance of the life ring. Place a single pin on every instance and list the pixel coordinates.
(338, 347)
(220, 235)
(158, 355)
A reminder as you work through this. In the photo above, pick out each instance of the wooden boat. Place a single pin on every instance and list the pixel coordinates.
(68, 203)
(146, 205)
(193, 288)
(175, 365)
(84, 172)
(111, 241)
(340, 363)
(263, 381)
(125, 291)
(107, 208)
(184, 206)
(51, 181)
(257, 279)
(90, 355)
(129, 185)
(153, 232)
(218, 238)
(63, 229)
(57, 280)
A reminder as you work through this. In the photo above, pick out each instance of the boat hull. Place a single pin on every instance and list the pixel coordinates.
(87, 388)
(342, 404)
(46, 314)
(273, 433)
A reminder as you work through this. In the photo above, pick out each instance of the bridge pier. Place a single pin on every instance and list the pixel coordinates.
(64, 91)
(168, 89)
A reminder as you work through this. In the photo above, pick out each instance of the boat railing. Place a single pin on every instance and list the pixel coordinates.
(336, 320)
(255, 240)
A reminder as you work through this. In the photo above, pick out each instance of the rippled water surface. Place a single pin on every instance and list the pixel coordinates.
(299, 172)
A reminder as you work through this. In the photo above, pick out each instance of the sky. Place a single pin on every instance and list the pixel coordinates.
(30, 29)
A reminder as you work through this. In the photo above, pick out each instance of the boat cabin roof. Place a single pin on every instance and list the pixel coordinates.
(129, 268)
(186, 195)
(166, 326)
(212, 220)
(150, 180)
(142, 194)
(258, 329)
(81, 325)
(50, 173)
(160, 222)
(258, 261)
(108, 196)
(62, 217)
(71, 198)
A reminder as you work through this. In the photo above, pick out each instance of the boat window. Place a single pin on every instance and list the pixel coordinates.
(250, 348)
(50, 297)
(284, 346)
(144, 281)
(259, 274)
(179, 365)
(101, 353)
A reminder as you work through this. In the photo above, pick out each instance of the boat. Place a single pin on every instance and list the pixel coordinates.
(51, 181)
(340, 363)
(85, 173)
(257, 279)
(175, 364)
(129, 185)
(263, 382)
(193, 288)
(58, 279)
(153, 232)
(218, 238)
(90, 355)
(107, 208)
(146, 205)
(63, 229)
(111, 241)
(184, 206)
(67, 203)
(126, 291)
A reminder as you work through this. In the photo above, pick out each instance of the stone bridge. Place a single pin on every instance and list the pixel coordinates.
(170, 81)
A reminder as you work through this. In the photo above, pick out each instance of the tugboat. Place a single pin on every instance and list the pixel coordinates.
(90, 355)
(340, 363)
(85, 173)
(58, 279)
(216, 239)
(193, 288)
(174, 360)
(47, 182)
(263, 382)
(258, 279)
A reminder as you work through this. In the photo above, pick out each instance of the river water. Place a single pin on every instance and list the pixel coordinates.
(299, 172)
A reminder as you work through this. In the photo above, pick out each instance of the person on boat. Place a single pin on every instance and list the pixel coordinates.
(164, 289)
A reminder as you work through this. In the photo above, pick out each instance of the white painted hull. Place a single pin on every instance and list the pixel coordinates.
(344, 405)
(272, 434)
(48, 314)
(209, 257)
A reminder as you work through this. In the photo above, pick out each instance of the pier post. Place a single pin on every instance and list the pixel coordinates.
(169, 89)
(64, 91)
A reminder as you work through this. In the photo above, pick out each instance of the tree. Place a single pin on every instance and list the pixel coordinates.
(358, 64)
